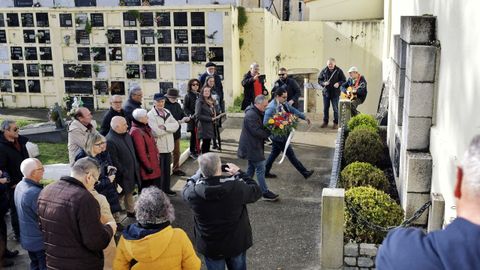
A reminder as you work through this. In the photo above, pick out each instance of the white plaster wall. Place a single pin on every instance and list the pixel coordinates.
(321, 10)
(456, 110)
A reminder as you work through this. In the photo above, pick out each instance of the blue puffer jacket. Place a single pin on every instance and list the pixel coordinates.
(26, 196)
(104, 186)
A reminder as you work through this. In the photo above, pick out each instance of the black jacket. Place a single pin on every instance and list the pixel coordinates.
(248, 90)
(11, 158)
(104, 186)
(219, 204)
(203, 115)
(189, 108)
(177, 113)
(128, 107)
(218, 83)
(251, 145)
(293, 90)
(339, 77)
(122, 152)
(107, 117)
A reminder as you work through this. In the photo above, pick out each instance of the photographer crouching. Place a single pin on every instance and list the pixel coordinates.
(219, 202)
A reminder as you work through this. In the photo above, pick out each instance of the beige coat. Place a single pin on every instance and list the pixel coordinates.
(110, 250)
(163, 138)
(77, 137)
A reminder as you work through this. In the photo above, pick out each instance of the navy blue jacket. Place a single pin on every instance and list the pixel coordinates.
(457, 247)
(26, 196)
(253, 135)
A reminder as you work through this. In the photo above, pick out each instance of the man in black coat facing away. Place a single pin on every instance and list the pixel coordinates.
(115, 110)
(290, 85)
(331, 79)
(251, 145)
(13, 151)
(222, 227)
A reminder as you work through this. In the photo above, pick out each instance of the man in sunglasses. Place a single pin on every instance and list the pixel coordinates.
(290, 85)
(13, 151)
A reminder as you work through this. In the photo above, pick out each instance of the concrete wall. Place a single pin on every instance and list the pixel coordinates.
(307, 45)
(455, 117)
(327, 10)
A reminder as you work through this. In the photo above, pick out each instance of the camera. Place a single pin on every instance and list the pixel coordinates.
(111, 171)
(224, 167)
(262, 77)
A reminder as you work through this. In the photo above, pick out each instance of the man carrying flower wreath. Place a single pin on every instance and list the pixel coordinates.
(280, 118)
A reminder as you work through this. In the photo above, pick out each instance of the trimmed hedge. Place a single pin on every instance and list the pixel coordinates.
(370, 205)
(363, 174)
(363, 145)
(362, 119)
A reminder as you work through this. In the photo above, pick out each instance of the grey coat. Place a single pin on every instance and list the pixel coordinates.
(122, 152)
(251, 145)
(204, 114)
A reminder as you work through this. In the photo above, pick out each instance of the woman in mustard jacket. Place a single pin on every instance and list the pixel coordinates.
(152, 243)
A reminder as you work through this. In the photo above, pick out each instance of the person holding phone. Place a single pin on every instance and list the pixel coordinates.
(253, 85)
(96, 148)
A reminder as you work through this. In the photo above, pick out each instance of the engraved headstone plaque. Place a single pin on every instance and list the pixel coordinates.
(83, 53)
(27, 20)
(23, 3)
(199, 54)
(3, 36)
(197, 19)
(12, 20)
(33, 70)
(29, 36)
(149, 71)
(148, 54)
(47, 70)
(181, 36)
(163, 19)
(117, 88)
(164, 37)
(133, 71)
(114, 36)
(79, 87)
(101, 87)
(115, 53)
(165, 54)
(164, 86)
(42, 19)
(216, 54)
(45, 53)
(6, 86)
(131, 37)
(66, 20)
(31, 53)
(180, 18)
(16, 53)
(181, 54)
(146, 19)
(33, 86)
(198, 36)
(82, 37)
(99, 53)
(19, 86)
(129, 19)
(147, 36)
(97, 19)
(43, 36)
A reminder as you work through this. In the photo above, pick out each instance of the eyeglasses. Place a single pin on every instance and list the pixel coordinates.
(195, 84)
(117, 102)
(100, 143)
(284, 97)
(40, 169)
(281, 74)
(15, 129)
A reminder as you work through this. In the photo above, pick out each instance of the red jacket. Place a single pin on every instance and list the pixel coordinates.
(146, 150)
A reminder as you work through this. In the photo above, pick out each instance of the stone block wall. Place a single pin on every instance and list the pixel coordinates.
(359, 256)
(412, 77)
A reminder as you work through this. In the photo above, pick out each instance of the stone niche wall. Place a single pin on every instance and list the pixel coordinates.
(359, 256)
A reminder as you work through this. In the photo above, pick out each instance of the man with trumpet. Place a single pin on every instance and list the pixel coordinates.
(355, 88)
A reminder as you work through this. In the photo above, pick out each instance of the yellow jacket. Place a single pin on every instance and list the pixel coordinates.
(168, 249)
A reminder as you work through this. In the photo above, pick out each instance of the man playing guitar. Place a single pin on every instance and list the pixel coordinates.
(355, 88)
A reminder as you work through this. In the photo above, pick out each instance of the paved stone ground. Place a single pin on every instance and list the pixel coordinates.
(286, 233)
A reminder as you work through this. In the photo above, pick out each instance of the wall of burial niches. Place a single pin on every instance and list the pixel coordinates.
(50, 54)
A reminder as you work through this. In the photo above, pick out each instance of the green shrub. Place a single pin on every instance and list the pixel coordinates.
(363, 145)
(376, 207)
(367, 127)
(46, 182)
(363, 174)
(237, 105)
(362, 119)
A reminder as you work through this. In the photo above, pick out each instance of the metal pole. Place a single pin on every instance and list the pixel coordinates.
(305, 95)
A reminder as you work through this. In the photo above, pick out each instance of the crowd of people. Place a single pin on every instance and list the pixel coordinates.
(134, 149)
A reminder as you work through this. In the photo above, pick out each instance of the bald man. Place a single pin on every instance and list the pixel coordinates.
(26, 196)
(121, 148)
(78, 131)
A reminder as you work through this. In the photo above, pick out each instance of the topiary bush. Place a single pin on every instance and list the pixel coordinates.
(363, 174)
(363, 145)
(367, 127)
(362, 119)
(374, 206)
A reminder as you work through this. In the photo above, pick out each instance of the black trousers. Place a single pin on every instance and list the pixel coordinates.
(193, 142)
(165, 162)
(206, 145)
(13, 212)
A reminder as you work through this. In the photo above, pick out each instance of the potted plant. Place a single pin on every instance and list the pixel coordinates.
(96, 69)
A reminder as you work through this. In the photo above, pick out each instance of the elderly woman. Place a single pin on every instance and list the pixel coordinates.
(152, 243)
(206, 114)
(145, 148)
(189, 109)
(163, 126)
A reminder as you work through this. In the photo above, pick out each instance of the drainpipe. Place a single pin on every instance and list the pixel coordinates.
(305, 95)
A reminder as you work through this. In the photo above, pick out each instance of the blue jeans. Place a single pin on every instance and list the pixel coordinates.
(259, 167)
(238, 262)
(37, 260)
(277, 148)
(327, 99)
